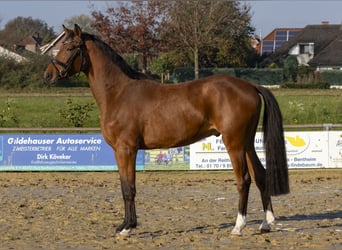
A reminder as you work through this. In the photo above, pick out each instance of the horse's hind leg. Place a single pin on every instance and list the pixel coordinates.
(238, 158)
(259, 174)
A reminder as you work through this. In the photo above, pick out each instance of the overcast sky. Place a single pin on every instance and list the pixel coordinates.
(267, 14)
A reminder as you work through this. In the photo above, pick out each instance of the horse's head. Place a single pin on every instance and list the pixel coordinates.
(70, 58)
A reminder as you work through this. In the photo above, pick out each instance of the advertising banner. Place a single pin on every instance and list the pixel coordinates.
(61, 152)
(307, 149)
(335, 149)
(90, 152)
(167, 159)
(315, 149)
(209, 153)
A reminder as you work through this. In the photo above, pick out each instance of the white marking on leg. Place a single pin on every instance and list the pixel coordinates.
(239, 225)
(267, 222)
(125, 232)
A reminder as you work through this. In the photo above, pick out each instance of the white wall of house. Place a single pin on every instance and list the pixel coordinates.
(303, 51)
(303, 59)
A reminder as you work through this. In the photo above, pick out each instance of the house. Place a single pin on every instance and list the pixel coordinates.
(11, 55)
(330, 57)
(319, 46)
(276, 39)
(53, 47)
(31, 43)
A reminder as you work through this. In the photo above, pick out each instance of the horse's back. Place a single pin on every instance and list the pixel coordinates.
(224, 94)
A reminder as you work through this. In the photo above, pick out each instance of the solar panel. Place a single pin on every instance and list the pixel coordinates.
(267, 46)
(278, 43)
(293, 33)
(280, 37)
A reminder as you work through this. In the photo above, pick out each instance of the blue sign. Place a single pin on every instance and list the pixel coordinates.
(61, 152)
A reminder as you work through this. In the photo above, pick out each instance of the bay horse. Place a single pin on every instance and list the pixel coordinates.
(140, 113)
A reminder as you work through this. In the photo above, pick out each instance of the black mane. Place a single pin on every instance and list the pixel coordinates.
(116, 58)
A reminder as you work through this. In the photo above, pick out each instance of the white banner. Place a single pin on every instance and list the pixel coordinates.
(335, 149)
(316, 149)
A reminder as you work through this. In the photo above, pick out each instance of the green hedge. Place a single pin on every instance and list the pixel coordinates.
(296, 85)
(333, 77)
(261, 76)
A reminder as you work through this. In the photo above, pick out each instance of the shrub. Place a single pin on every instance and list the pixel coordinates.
(75, 113)
(291, 68)
(29, 75)
(306, 74)
(7, 115)
(22, 75)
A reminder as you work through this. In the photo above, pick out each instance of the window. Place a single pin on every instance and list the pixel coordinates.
(306, 48)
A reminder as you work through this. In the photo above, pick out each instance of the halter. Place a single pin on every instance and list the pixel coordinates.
(66, 66)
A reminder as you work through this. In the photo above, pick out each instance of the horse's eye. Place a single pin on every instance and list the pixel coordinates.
(71, 48)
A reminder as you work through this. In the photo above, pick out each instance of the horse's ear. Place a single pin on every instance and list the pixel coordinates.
(65, 29)
(77, 30)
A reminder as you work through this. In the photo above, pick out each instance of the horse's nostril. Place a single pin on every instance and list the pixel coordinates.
(47, 76)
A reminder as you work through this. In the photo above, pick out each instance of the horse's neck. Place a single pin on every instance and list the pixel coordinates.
(105, 78)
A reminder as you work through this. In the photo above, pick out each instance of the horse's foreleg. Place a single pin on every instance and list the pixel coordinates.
(126, 163)
(259, 174)
(243, 183)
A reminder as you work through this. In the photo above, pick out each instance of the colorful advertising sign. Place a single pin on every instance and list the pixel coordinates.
(304, 150)
(90, 152)
(166, 159)
(209, 153)
(62, 152)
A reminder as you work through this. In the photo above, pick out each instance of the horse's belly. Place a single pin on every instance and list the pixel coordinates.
(164, 138)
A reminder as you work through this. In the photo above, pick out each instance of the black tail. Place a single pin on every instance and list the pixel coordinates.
(277, 179)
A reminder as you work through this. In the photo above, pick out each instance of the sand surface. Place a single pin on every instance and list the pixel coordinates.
(176, 210)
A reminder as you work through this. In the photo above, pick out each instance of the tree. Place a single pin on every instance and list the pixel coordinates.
(84, 21)
(217, 30)
(133, 28)
(21, 27)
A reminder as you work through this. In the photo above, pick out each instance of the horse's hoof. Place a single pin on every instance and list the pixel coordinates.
(236, 232)
(124, 233)
(264, 228)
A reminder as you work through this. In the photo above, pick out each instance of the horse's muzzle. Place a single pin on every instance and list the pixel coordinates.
(50, 77)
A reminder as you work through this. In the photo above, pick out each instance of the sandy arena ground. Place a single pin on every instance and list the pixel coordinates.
(176, 210)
